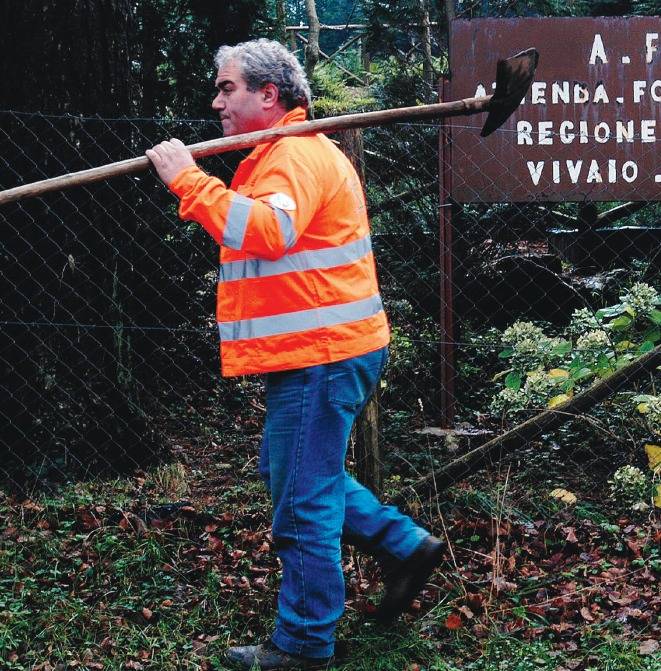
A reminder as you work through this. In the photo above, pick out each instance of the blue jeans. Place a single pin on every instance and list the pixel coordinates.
(309, 415)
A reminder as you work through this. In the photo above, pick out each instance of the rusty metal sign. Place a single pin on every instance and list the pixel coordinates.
(587, 128)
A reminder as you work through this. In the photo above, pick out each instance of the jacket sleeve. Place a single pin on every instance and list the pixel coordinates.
(265, 225)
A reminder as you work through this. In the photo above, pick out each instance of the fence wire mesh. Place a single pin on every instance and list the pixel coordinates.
(108, 339)
(109, 364)
(108, 344)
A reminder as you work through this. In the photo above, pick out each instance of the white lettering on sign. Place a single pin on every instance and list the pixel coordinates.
(546, 132)
(650, 46)
(574, 169)
(612, 175)
(560, 92)
(600, 95)
(594, 174)
(524, 132)
(565, 136)
(536, 171)
(480, 91)
(538, 93)
(604, 107)
(648, 130)
(602, 132)
(629, 171)
(581, 93)
(544, 136)
(598, 51)
(624, 134)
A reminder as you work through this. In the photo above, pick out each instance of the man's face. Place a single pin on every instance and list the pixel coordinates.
(240, 110)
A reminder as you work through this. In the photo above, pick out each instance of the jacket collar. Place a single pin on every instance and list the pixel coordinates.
(297, 115)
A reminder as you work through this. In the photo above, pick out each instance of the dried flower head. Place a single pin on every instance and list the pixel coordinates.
(641, 298)
(629, 485)
(592, 341)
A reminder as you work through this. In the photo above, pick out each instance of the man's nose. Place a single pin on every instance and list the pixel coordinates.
(217, 103)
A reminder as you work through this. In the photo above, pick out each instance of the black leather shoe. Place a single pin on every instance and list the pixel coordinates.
(269, 656)
(407, 579)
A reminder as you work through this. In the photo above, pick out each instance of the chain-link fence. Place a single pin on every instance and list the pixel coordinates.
(109, 365)
(109, 348)
(108, 341)
(548, 298)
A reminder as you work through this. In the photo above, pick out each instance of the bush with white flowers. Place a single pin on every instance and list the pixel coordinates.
(641, 298)
(596, 340)
(650, 407)
(508, 402)
(583, 319)
(545, 369)
(629, 485)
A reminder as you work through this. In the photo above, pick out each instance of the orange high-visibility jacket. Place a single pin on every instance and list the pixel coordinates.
(297, 284)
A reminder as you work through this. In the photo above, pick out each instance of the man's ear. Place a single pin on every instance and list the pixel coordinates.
(270, 95)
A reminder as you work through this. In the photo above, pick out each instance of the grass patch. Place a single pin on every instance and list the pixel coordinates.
(127, 574)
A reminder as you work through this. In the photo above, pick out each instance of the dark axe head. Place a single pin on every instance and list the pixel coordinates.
(513, 77)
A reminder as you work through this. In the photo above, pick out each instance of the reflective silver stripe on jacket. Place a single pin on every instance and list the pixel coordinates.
(315, 259)
(237, 221)
(286, 226)
(303, 320)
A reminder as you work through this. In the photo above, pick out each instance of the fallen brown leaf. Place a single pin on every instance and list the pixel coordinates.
(453, 622)
(648, 647)
(587, 615)
(467, 612)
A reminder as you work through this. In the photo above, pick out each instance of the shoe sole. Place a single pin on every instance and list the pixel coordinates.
(307, 666)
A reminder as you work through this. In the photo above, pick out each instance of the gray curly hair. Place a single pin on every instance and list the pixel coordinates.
(264, 62)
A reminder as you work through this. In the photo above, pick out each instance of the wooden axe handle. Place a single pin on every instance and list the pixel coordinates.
(463, 107)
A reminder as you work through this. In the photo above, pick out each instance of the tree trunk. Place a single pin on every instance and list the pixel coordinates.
(425, 36)
(71, 258)
(449, 10)
(584, 242)
(367, 448)
(280, 33)
(312, 48)
(81, 47)
(364, 56)
(150, 25)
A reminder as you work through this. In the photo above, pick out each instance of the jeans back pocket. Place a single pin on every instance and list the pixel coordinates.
(352, 381)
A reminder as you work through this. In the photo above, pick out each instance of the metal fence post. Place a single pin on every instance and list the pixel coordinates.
(447, 370)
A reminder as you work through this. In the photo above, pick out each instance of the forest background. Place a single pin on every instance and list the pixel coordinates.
(133, 529)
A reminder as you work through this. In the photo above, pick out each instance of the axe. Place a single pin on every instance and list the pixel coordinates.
(513, 77)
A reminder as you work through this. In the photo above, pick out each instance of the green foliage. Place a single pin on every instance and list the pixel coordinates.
(330, 12)
(547, 370)
(652, 7)
(512, 8)
(174, 44)
(332, 95)
(398, 82)
(91, 579)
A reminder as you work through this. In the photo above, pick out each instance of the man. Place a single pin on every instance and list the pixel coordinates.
(298, 301)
